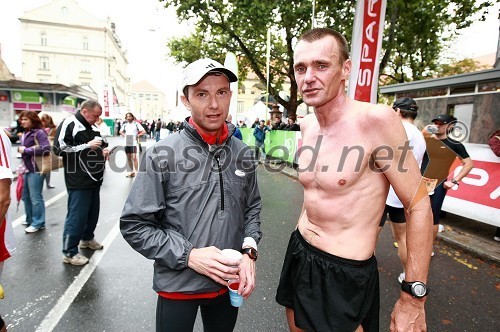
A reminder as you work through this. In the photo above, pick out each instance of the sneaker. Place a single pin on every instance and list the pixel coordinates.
(24, 223)
(78, 259)
(401, 277)
(395, 244)
(31, 229)
(91, 244)
(432, 254)
(496, 238)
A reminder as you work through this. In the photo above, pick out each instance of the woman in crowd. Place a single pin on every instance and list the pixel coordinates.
(50, 130)
(34, 142)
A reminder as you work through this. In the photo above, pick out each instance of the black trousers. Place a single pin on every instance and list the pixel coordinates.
(218, 315)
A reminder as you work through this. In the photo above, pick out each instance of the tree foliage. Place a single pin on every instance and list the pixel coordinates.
(414, 35)
(460, 67)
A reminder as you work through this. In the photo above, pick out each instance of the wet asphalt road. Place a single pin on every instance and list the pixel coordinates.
(113, 292)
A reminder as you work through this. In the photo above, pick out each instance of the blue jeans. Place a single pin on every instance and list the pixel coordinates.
(157, 135)
(81, 220)
(34, 205)
(260, 150)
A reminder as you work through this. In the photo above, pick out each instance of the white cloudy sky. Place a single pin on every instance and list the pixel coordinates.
(147, 22)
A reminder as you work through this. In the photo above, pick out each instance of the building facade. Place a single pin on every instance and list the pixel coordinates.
(63, 44)
(473, 98)
(147, 102)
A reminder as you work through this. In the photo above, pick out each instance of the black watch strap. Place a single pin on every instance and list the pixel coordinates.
(251, 252)
(415, 288)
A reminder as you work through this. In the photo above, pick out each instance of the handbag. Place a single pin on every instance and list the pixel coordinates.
(48, 161)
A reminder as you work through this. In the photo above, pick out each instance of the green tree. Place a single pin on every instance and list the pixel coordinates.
(459, 67)
(415, 31)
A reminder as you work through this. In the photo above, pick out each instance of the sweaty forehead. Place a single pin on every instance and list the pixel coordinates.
(318, 50)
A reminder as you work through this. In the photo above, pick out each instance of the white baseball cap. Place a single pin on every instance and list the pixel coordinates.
(195, 71)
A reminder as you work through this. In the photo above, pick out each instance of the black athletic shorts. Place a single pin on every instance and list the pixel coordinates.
(396, 215)
(131, 149)
(326, 292)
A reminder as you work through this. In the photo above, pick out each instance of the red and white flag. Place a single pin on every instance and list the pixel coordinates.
(366, 46)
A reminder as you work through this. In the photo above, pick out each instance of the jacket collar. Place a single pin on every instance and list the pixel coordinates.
(80, 118)
(191, 130)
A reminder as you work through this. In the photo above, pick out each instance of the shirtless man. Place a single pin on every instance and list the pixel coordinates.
(329, 280)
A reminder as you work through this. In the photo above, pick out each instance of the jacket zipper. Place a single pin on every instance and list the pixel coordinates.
(221, 183)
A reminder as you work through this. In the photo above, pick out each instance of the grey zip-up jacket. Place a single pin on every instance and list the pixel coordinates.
(191, 195)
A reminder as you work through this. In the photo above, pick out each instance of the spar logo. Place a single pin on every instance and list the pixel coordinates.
(481, 185)
(365, 52)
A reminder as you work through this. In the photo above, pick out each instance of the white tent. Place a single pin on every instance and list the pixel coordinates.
(258, 110)
(178, 114)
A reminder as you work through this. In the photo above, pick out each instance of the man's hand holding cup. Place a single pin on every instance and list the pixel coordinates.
(95, 143)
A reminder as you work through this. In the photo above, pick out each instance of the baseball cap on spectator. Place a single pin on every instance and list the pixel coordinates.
(443, 118)
(195, 71)
(406, 103)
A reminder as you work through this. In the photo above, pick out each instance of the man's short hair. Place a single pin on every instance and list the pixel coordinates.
(90, 104)
(320, 33)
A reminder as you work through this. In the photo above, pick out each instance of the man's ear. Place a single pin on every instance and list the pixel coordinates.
(346, 69)
(186, 103)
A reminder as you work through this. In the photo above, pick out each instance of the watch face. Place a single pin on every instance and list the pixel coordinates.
(418, 289)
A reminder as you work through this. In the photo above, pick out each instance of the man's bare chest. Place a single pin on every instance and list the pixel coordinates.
(332, 162)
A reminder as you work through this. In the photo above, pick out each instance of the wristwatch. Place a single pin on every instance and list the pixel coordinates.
(251, 252)
(415, 288)
(455, 182)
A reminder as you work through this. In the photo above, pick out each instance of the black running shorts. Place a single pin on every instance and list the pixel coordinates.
(131, 149)
(396, 215)
(326, 292)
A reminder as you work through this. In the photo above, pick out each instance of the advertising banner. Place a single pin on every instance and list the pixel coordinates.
(478, 195)
(365, 49)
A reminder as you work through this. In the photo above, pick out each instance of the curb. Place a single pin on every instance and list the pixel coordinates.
(473, 245)
(468, 242)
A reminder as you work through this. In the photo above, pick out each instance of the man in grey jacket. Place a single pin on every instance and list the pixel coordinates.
(204, 198)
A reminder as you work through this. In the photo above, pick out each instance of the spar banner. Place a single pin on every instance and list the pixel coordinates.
(366, 45)
(478, 195)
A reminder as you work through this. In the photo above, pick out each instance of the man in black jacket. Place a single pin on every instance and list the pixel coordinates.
(84, 153)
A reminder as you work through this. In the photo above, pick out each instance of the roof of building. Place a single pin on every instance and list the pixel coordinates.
(478, 76)
(63, 12)
(5, 73)
(74, 90)
(144, 86)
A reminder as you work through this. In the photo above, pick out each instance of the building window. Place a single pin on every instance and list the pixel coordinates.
(148, 96)
(85, 66)
(456, 90)
(64, 11)
(43, 39)
(155, 97)
(85, 43)
(44, 63)
(241, 107)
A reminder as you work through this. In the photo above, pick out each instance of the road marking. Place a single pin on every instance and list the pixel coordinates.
(51, 201)
(62, 305)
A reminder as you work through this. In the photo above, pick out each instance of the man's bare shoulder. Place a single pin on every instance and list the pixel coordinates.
(307, 121)
(376, 116)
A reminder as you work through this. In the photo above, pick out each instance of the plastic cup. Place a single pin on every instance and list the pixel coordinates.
(432, 129)
(234, 297)
(231, 253)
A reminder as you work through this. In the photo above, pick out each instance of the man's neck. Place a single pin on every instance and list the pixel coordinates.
(331, 112)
